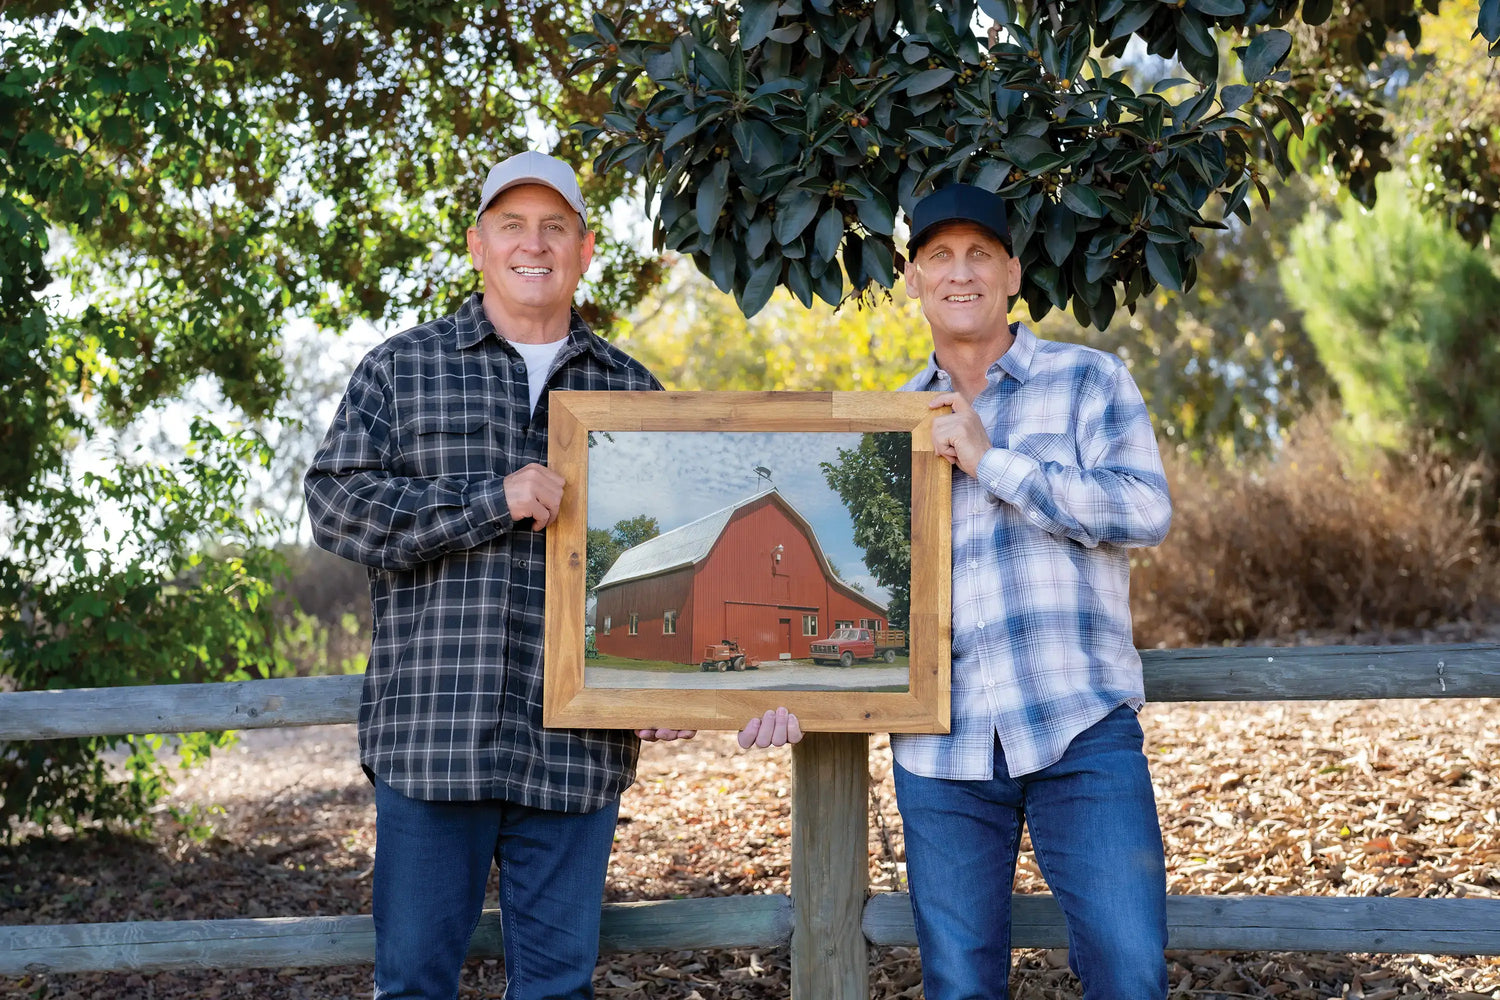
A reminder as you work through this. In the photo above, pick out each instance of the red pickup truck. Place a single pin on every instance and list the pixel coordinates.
(846, 645)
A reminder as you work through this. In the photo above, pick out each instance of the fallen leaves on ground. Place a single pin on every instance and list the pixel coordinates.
(1352, 798)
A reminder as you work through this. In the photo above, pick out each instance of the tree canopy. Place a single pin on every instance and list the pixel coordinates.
(179, 180)
(780, 138)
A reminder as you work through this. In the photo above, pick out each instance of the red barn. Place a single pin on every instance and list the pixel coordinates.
(753, 572)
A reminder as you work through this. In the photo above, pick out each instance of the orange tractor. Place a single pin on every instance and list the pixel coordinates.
(726, 654)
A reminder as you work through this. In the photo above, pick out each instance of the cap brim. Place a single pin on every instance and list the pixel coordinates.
(914, 243)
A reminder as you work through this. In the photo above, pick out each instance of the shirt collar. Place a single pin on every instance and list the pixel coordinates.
(1015, 362)
(473, 326)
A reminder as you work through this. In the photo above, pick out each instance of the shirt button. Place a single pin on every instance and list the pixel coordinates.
(973, 563)
(520, 368)
(980, 625)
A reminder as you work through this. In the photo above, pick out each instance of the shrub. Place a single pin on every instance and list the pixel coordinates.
(1320, 537)
(323, 613)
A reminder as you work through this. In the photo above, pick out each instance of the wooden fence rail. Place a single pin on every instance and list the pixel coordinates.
(828, 918)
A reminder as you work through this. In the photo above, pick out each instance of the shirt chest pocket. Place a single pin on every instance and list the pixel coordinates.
(456, 444)
(1054, 444)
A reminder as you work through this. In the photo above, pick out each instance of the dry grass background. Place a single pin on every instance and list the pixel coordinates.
(1318, 540)
(1344, 798)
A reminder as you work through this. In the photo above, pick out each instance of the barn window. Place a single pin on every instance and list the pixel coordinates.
(635, 623)
(669, 623)
(843, 623)
(867, 623)
(606, 624)
(809, 624)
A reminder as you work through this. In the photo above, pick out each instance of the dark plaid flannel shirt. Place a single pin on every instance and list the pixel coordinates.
(409, 483)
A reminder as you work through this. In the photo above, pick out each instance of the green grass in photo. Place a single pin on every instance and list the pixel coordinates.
(626, 663)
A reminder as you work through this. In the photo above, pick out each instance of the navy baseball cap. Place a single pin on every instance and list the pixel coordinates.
(958, 203)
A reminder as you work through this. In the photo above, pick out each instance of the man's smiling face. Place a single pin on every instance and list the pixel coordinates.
(964, 278)
(532, 249)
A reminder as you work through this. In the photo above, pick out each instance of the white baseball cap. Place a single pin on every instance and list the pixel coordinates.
(532, 167)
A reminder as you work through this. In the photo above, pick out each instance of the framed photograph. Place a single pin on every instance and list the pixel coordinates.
(718, 554)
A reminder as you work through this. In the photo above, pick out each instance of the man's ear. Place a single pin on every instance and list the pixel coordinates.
(913, 277)
(1013, 277)
(476, 248)
(586, 251)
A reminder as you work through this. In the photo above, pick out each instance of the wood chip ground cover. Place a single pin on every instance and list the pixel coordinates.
(1354, 799)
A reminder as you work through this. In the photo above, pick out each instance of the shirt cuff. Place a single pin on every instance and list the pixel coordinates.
(1001, 471)
(488, 507)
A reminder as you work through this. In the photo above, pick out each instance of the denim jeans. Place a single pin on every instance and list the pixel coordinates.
(432, 862)
(1092, 817)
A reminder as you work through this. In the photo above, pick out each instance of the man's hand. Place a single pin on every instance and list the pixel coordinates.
(959, 436)
(777, 728)
(665, 735)
(534, 491)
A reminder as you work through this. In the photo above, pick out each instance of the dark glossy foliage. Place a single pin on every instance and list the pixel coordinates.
(783, 138)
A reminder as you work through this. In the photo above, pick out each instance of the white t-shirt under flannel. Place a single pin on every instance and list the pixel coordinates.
(1042, 644)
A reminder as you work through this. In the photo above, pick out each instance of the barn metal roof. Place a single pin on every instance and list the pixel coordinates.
(691, 543)
(673, 549)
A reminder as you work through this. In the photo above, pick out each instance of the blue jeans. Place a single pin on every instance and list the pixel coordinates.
(1094, 830)
(432, 862)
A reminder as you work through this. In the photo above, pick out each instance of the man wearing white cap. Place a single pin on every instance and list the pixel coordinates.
(432, 477)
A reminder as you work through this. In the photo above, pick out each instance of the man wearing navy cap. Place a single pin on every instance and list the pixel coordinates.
(433, 476)
(1056, 476)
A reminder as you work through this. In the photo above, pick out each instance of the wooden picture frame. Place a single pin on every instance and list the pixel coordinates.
(568, 702)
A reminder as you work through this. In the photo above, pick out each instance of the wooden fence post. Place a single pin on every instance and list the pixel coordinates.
(830, 866)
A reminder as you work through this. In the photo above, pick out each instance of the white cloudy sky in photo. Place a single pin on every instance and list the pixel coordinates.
(678, 477)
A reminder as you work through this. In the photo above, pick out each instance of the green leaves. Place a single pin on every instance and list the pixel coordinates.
(1489, 20)
(752, 298)
(1235, 95)
(927, 81)
(839, 117)
(795, 209)
(1083, 200)
(711, 195)
(830, 233)
(1164, 266)
(1265, 53)
(1218, 8)
(757, 18)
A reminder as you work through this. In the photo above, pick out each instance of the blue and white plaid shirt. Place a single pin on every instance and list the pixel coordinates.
(1042, 645)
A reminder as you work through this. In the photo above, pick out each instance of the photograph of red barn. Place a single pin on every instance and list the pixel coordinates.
(752, 572)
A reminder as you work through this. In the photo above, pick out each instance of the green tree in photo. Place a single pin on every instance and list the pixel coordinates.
(605, 545)
(873, 481)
